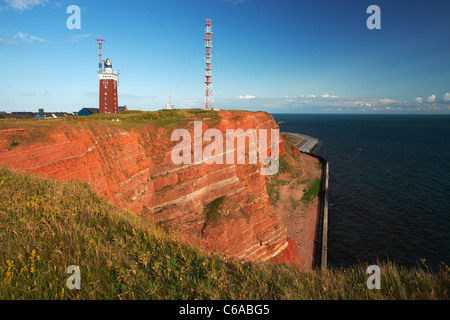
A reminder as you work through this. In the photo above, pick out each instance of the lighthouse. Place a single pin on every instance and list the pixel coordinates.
(109, 81)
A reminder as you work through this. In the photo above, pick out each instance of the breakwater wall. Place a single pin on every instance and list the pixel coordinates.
(307, 145)
(321, 240)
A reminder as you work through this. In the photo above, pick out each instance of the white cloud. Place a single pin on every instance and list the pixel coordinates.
(124, 95)
(28, 38)
(419, 99)
(28, 75)
(324, 102)
(327, 95)
(246, 97)
(25, 4)
(136, 96)
(91, 93)
(431, 98)
(386, 101)
(78, 37)
(192, 103)
(6, 42)
(58, 4)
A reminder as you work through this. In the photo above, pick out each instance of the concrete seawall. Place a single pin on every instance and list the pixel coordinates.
(307, 145)
(321, 241)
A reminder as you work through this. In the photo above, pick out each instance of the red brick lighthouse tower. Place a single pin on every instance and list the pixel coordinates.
(109, 81)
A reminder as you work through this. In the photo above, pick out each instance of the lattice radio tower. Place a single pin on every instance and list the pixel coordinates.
(209, 101)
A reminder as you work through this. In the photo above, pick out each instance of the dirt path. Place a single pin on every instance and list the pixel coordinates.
(299, 216)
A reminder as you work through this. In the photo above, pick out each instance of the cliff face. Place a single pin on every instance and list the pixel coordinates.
(222, 208)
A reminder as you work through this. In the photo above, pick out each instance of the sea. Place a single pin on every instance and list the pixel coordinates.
(389, 187)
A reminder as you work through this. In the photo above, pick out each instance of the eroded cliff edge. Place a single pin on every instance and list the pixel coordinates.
(221, 208)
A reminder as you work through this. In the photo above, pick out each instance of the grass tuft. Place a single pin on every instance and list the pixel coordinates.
(312, 191)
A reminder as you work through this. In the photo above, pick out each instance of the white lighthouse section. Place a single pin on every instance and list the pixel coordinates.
(108, 73)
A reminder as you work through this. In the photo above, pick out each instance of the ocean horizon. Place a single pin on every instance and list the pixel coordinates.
(389, 184)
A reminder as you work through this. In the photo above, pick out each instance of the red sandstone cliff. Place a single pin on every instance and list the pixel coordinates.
(133, 169)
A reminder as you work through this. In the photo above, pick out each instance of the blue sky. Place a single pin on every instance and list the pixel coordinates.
(277, 56)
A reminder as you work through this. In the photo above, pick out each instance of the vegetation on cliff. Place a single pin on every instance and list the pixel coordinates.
(126, 120)
(47, 226)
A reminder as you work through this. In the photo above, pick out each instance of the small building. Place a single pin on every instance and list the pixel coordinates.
(88, 111)
(169, 105)
(12, 116)
(51, 115)
(122, 108)
(7, 116)
(22, 115)
(33, 115)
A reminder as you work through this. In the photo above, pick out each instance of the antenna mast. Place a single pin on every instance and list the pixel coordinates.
(100, 60)
(209, 102)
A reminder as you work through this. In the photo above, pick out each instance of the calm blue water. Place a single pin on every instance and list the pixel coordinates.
(389, 185)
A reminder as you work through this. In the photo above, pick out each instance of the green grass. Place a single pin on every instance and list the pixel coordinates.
(149, 121)
(319, 165)
(212, 210)
(294, 203)
(14, 144)
(223, 209)
(128, 119)
(312, 191)
(46, 226)
(288, 163)
(273, 191)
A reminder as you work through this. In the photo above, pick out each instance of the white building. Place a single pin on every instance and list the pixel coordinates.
(169, 105)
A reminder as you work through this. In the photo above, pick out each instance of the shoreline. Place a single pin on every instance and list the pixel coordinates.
(306, 143)
(310, 230)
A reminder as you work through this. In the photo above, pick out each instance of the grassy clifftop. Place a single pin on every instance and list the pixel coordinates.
(46, 226)
(127, 119)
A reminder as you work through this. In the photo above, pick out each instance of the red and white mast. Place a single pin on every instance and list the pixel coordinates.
(209, 102)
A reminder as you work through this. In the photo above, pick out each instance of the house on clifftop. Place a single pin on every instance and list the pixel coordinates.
(91, 111)
(87, 111)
